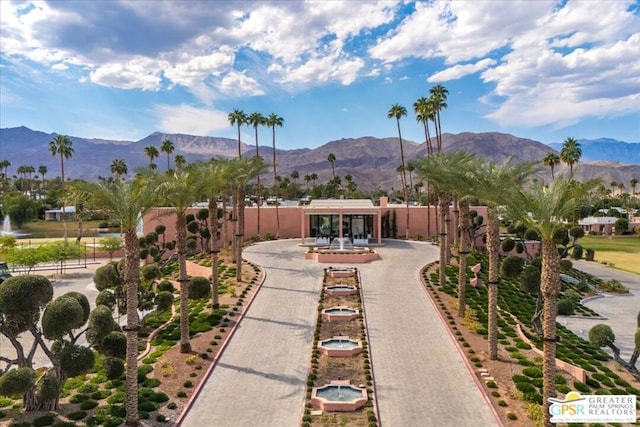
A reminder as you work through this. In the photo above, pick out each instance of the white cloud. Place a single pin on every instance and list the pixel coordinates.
(239, 84)
(190, 70)
(138, 73)
(459, 71)
(190, 120)
(60, 66)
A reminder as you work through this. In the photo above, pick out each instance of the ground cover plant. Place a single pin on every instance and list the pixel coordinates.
(516, 385)
(356, 369)
(166, 377)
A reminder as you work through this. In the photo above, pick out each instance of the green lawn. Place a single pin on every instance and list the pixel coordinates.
(622, 252)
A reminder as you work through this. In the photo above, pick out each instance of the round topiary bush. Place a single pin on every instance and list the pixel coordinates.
(566, 264)
(106, 298)
(601, 335)
(589, 254)
(508, 244)
(106, 276)
(163, 300)
(150, 272)
(511, 266)
(114, 344)
(76, 360)
(17, 381)
(165, 285)
(531, 234)
(199, 287)
(565, 307)
(577, 252)
(113, 367)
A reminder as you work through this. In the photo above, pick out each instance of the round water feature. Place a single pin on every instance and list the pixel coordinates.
(339, 314)
(340, 346)
(341, 272)
(340, 289)
(339, 396)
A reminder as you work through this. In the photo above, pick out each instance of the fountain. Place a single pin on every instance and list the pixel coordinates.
(340, 289)
(340, 346)
(341, 250)
(341, 272)
(6, 228)
(339, 314)
(339, 396)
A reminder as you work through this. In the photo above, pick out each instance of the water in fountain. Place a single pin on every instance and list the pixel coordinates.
(341, 244)
(339, 393)
(6, 225)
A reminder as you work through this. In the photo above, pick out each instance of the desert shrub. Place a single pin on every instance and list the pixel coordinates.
(519, 247)
(572, 295)
(577, 252)
(621, 225)
(44, 420)
(163, 300)
(511, 266)
(77, 415)
(88, 404)
(614, 285)
(581, 386)
(532, 372)
(48, 387)
(566, 264)
(508, 244)
(531, 234)
(565, 307)
(525, 387)
(113, 367)
(199, 287)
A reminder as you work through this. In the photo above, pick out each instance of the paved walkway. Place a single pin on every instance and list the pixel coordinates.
(621, 310)
(420, 376)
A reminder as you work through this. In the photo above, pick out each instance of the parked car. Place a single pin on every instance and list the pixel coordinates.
(5, 273)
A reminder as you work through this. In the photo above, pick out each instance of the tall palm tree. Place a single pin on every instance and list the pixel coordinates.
(179, 190)
(490, 182)
(551, 160)
(62, 146)
(118, 168)
(237, 118)
(167, 147)
(438, 100)
(423, 109)
(215, 175)
(152, 153)
(452, 173)
(4, 166)
(331, 158)
(397, 111)
(544, 208)
(272, 121)
(634, 183)
(255, 120)
(42, 170)
(126, 200)
(242, 172)
(570, 153)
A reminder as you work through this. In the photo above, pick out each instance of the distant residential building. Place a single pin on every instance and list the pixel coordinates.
(56, 214)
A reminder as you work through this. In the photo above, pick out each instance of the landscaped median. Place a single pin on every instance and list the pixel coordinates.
(340, 387)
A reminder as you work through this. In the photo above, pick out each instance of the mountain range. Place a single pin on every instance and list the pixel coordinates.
(371, 161)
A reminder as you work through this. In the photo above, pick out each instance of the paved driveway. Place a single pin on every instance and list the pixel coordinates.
(620, 310)
(420, 376)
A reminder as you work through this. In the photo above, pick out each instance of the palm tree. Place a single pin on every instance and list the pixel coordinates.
(42, 170)
(331, 158)
(242, 172)
(544, 208)
(180, 190)
(551, 160)
(410, 168)
(78, 194)
(272, 121)
(397, 111)
(180, 161)
(4, 166)
(151, 152)
(237, 118)
(570, 153)
(119, 168)
(255, 120)
(451, 173)
(167, 147)
(126, 201)
(423, 109)
(490, 182)
(438, 100)
(62, 146)
(634, 183)
(215, 176)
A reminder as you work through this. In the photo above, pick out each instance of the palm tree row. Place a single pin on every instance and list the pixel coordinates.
(542, 208)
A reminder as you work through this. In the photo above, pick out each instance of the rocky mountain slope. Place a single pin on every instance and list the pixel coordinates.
(371, 161)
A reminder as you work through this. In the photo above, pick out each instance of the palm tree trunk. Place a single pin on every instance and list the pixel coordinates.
(442, 221)
(428, 210)
(456, 224)
(234, 223)
(259, 203)
(131, 278)
(493, 243)
(550, 288)
(465, 226)
(213, 250)
(181, 245)
(275, 184)
(404, 180)
(240, 235)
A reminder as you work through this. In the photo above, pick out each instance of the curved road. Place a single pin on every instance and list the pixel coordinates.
(420, 376)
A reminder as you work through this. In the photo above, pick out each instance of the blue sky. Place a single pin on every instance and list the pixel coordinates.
(543, 70)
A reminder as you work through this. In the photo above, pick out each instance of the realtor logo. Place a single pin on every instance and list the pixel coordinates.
(593, 409)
